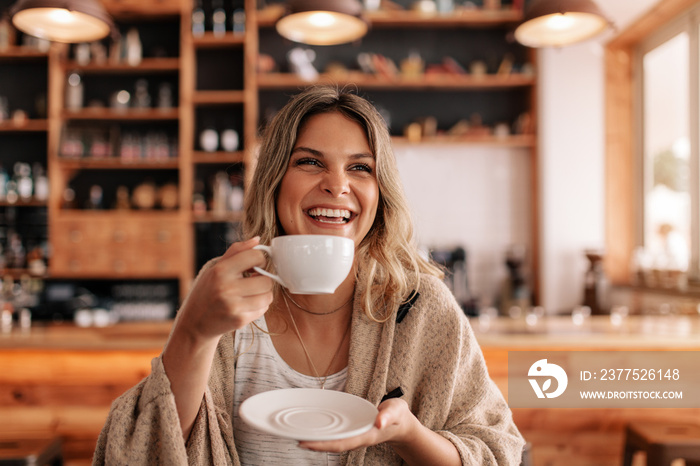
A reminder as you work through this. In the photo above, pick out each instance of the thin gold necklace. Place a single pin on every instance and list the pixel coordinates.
(306, 352)
(316, 313)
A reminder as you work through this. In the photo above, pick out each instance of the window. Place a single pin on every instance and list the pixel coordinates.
(667, 232)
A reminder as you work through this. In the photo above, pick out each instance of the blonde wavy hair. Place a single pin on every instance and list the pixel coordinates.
(388, 263)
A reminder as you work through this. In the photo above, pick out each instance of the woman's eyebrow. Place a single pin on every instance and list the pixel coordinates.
(317, 153)
(363, 155)
(307, 149)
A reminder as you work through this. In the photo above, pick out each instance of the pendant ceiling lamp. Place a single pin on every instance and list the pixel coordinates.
(556, 23)
(322, 22)
(68, 21)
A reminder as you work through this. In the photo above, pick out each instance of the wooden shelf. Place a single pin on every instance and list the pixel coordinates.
(514, 140)
(21, 203)
(117, 163)
(29, 125)
(19, 273)
(400, 18)
(210, 41)
(217, 157)
(19, 53)
(432, 82)
(218, 97)
(147, 65)
(212, 217)
(132, 114)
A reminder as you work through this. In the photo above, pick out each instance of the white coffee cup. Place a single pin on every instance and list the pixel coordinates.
(309, 264)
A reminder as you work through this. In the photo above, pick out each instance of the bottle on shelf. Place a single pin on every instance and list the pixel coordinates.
(6, 32)
(74, 92)
(218, 18)
(15, 255)
(4, 109)
(68, 200)
(165, 96)
(238, 20)
(515, 297)
(7, 309)
(134, 49)
(229, 139)
(82, 53)
(142, 99)
(4, 178)
(94, 201)
(209, 138)
(41, 183)
(123, 201)
(235, 201)
(23, 180)
(198, 18)
(595, 293)
(220, 194)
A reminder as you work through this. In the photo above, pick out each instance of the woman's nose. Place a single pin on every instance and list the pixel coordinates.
(336, 183)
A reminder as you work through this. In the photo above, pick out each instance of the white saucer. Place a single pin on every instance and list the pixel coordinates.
(309, 414)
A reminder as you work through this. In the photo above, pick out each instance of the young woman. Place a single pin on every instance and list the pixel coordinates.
(325, 167)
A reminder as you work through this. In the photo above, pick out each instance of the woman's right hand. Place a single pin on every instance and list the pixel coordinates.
(227, 295)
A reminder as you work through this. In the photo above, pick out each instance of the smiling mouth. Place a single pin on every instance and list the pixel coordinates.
(333, 216)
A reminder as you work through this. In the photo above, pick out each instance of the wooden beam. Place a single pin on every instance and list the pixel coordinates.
(657, 16)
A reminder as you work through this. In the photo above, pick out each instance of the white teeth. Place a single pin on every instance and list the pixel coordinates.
(335, 213)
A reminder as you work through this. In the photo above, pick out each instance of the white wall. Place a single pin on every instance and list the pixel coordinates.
(473, 197)
(571, 138)
(478, 197)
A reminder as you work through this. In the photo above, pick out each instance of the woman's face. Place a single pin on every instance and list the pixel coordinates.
(330, 186)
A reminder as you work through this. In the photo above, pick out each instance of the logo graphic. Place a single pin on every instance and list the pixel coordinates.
(543, 369)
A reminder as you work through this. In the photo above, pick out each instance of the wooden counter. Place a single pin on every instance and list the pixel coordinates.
(61, 380)
(584, 437)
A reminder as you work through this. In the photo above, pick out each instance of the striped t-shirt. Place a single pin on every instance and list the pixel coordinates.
(259, 368)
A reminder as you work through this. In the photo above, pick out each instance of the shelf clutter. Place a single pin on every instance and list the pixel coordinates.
(157, 131)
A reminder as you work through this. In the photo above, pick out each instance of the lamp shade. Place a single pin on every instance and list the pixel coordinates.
(556, 23)
(322, 22)
(68, 21)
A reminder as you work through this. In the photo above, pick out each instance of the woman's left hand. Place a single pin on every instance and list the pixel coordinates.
(393, 424)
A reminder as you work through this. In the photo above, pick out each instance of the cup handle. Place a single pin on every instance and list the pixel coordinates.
(268, 250)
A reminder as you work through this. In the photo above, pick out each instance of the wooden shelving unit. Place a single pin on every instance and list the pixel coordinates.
(196, 101)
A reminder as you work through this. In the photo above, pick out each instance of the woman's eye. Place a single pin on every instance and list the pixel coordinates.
(362, 167)
(306, 161)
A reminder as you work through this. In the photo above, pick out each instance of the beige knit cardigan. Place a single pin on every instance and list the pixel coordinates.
(431, 354)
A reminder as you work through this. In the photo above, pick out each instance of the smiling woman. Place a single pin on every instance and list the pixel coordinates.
(392, 326)
(329, 185)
